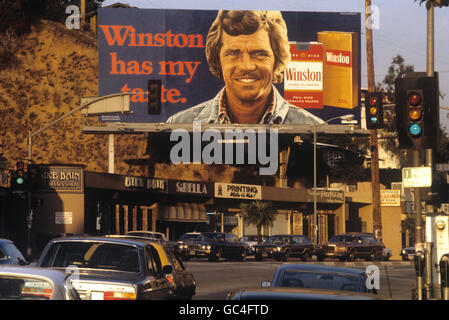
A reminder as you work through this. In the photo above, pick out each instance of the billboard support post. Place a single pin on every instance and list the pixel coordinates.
(377, 218)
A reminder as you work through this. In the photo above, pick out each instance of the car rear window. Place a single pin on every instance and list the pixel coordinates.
(320, 280)
(23, 288)
(93, 255)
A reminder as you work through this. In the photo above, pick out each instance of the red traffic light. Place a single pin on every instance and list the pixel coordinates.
(372, 101)
(414, 98)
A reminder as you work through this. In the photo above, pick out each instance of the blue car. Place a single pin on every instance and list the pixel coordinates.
(9, 254)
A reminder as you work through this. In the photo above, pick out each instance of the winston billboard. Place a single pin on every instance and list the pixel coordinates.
(266, 67)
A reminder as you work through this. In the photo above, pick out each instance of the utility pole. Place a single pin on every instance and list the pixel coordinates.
(377, 219)
(430, 73)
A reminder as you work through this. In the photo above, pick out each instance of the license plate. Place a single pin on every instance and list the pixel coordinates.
(97, 296)
(411, 256)
(192, 253)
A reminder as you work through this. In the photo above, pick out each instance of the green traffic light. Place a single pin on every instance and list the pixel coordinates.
(19, 180)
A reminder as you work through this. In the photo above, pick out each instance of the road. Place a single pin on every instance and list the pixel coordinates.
(215, 279)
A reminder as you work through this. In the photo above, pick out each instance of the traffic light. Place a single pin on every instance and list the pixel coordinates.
(19, 177)
(417, 111)
(154, 96)
(374, 114)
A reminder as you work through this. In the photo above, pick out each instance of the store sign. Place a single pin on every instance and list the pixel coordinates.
(328, 195)
(416, 177)
(390, 198)
(146, 183)
(190, 188)
(238, 191)
(61, 179)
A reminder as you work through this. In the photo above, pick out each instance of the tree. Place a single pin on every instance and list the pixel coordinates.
(435, 3)
(396, 70)
(259, 213)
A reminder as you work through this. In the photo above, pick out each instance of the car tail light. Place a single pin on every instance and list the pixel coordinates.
(37, 292)
(116, 295)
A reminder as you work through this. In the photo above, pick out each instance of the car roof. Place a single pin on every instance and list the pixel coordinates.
(147, 232)
(287, 235)
(355, 234)
(286, 293)
(319, 268)
(122, 239)
(6, 240)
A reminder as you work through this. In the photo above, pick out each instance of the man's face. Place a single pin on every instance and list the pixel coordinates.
(247, 63)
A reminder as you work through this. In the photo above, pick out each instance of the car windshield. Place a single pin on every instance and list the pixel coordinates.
(24, 288)
(279, 239)
(93, 255)
(189, 237)
(249, 238)
(343, 238)
(321, 280)
(213, 237)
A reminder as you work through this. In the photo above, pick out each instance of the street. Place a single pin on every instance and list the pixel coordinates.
(216, 279)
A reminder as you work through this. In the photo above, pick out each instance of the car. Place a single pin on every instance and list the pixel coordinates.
(350, 246)
(282, 247)
(315, 276)
(251, 240)
(109, 268)
(408, 253)
(217, 245)
(183, 284)
(31, 283)
(9, 254)
(282, 293)
(186, 245)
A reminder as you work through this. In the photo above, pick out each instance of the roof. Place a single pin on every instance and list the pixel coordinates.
(283, 293)
(320, 268)
(52, 274)
(122, 240)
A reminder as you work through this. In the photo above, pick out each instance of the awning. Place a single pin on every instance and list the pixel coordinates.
(183, 212)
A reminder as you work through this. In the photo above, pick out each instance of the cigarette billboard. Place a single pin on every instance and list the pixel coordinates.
(231, 66)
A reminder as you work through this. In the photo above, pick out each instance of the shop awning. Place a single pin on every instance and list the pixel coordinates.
(183, 212)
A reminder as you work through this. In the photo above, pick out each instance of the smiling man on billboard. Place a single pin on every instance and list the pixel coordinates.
(249, 51)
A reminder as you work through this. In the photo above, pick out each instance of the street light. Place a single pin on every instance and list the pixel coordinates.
(346, 117)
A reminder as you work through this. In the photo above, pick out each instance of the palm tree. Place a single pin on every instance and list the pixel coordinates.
(260, 214)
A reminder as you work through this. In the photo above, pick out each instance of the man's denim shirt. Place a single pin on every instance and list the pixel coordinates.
(283, 113)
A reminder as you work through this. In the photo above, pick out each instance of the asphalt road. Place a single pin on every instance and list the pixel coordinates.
(216, 279)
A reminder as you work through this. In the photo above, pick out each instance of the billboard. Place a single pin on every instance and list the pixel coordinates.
(186, 51)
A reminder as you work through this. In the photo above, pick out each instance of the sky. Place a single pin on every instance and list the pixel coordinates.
(402, 29)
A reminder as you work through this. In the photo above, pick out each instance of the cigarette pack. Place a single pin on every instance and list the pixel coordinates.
(341, 59)
(303, 83)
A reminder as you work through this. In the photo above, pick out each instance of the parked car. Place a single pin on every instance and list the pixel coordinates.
(282, 247)
(183, 284)
(31, 283)
(186, 245)
(9, 254)
(111, 268)
(251, 241)
(319, 277)
(217, 245)
(282, 293)
(350, 246)
(408, 253)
